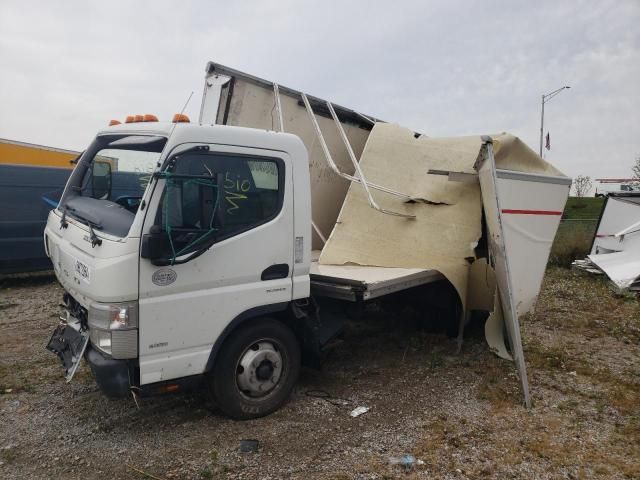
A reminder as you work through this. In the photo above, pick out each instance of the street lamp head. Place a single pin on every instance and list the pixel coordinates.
(548, 96)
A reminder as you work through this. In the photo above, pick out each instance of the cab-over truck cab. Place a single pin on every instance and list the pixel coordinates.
(184, 251)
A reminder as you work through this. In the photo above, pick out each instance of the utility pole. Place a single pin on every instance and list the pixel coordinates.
(545, 99)
(541, 126)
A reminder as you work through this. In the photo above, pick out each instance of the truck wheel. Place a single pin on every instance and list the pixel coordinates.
(255, 370)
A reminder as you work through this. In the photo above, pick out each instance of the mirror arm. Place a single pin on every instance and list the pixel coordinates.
(146, 252)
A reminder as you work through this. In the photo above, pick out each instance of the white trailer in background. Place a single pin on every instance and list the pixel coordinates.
(214, 273)
(608, 186)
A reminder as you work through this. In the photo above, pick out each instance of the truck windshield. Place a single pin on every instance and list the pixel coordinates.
(107, 185)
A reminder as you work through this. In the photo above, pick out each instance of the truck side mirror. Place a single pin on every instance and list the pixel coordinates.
(155, 245)
(101, 180)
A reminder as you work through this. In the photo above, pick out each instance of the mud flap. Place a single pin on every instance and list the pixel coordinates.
(69, 345)
(486, 168)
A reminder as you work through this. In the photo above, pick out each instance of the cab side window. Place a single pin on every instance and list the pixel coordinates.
(211, 197)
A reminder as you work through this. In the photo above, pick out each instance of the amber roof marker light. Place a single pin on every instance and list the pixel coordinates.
(130, 119)
(180, 118)
(149, 118)
(114, 122)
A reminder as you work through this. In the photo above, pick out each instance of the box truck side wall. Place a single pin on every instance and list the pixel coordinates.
(248, 102)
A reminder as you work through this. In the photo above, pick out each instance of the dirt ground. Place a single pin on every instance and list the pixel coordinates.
(460, 414)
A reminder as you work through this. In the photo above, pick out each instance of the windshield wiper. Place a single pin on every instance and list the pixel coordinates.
(63, 220)
(93, 238)
(83, 218)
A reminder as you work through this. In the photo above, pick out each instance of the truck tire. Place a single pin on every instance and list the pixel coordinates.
(255, 370)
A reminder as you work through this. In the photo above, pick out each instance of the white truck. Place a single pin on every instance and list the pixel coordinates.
(205, 269)
(608, 186)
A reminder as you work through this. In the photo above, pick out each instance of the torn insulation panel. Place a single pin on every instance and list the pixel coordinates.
(445, 232)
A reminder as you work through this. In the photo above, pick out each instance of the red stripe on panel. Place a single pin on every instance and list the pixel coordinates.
(531, 212)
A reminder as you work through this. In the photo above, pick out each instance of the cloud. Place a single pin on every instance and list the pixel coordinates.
(443, 68)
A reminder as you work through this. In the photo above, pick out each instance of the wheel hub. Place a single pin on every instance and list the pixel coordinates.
(264, 370)
(259, 369)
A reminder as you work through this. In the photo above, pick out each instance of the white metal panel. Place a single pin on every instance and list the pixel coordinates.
(522, 212)
(531, 211)
(211, 98)
(619, 213)
(112, 267)
(496, 240)
(253, 104)
(623, 268)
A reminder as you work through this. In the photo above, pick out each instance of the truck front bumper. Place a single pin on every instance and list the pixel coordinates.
(112, 376)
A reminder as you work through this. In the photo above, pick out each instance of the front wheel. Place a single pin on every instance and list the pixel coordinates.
(255, 370)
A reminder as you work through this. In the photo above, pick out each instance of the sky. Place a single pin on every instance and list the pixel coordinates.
(443, 68)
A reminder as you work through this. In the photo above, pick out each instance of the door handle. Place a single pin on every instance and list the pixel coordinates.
(280, 270)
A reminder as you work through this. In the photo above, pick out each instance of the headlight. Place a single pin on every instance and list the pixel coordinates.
(113, 316)
(113, 328)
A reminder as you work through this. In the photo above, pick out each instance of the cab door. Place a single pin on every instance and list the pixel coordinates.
(223, 216)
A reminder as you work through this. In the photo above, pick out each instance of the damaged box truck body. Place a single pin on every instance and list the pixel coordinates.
(241, 233)
(429, 198)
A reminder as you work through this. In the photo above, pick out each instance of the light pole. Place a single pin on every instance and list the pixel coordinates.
(545, 99)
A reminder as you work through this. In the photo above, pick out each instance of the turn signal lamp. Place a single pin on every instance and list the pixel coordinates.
(114, 122)
(149, 118)
(130, 119)
(180, 118)
(170, 387)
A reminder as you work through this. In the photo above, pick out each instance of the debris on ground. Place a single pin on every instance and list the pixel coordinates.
(356, 412)
(407, 462)
(249, 446)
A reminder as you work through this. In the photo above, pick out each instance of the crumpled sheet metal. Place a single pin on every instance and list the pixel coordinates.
(622, 268)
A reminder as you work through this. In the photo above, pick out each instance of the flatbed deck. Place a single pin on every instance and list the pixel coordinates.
(357, 282)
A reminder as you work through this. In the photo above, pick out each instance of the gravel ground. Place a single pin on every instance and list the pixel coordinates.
(459, 413)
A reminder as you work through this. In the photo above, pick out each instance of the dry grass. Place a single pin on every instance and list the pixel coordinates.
(495, 386)
(584, 368)
(573, 241)
(580, 303)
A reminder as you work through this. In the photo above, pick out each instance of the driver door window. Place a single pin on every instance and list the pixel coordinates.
(211, 197)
